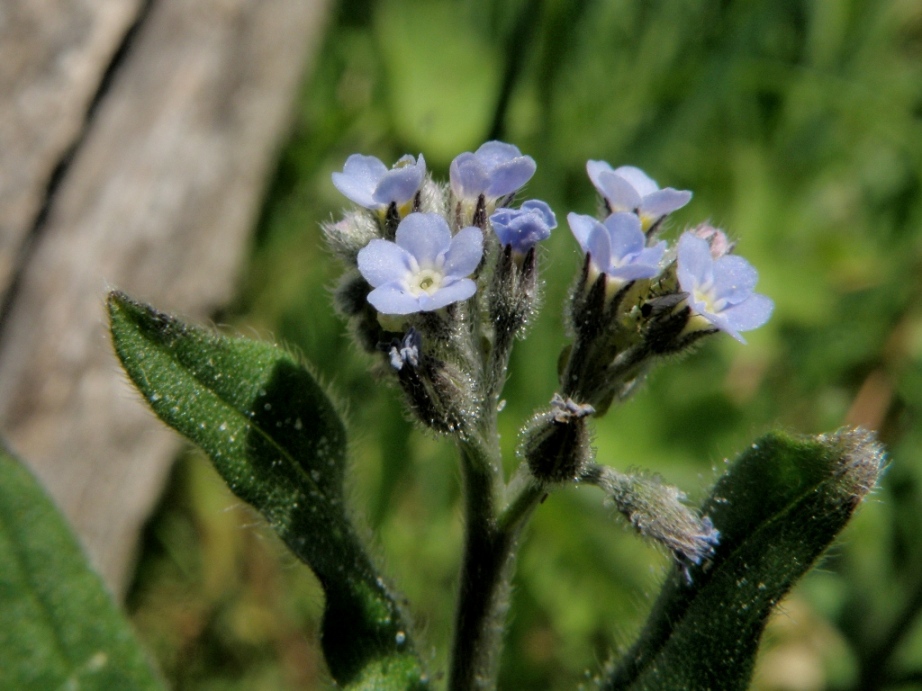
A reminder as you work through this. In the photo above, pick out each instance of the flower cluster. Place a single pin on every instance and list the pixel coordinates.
(445, 259)
(443, 278)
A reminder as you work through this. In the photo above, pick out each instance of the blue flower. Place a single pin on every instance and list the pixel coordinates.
(495, 170)
(366, 181)
(630, 189)
(523, 228)
(720, 290)
(617, 246)
(425, 269)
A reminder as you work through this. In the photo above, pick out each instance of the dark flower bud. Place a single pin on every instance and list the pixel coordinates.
(513, 292)
(439, 393)
(557, 445)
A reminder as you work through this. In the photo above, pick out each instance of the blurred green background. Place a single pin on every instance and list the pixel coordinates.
(797, 124)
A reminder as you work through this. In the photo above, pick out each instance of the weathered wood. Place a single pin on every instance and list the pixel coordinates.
(53, 54)
(159, 201)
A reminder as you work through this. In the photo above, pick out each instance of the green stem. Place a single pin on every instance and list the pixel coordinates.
(480, 599)
(487, 568)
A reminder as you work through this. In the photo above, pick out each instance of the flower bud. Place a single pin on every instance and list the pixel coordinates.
(439, 393)
(657, 512)
(556, 445)
(347, 236)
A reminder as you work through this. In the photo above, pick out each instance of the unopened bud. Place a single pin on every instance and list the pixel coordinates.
(657, 512)
(347, 236)
(557, 444)
(439, 394)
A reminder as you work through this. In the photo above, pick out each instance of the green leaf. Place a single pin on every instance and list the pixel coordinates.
(778, 507)
(277, 440)
(60, 629)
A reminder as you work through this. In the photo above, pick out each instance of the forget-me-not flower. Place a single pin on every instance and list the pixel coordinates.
(366, 181)
(495, 170)
(523, 228)
(630, 189)
(720, 290)
(424, 269)
(617, 246)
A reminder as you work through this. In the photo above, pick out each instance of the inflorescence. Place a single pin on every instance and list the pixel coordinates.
(442, 279)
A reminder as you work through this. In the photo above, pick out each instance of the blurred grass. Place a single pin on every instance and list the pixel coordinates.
(799, 127)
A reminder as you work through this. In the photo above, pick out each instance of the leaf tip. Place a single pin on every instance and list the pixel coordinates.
(861, 460)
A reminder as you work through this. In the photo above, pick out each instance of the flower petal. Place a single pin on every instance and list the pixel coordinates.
(695, 265)
(464, 253)
(750, 314)
(627, 238)
(734, 278)
(599, 247)
(359, 179)
(381, 261)
(662, 202)
(425, 236)
(595, 169)
(469, 178)
(456, 291)
(618, 192)
(523, 228)
(638, 179)
(495, 153)
(581, 225)
(633, 271)
(509, 177)
(652, 256)
(392, 298)
(400, 184)
(542, 208)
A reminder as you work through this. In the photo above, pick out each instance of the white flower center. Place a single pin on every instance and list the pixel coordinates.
(425, 281)
(704, 294)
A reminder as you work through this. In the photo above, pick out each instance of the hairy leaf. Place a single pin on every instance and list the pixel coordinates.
(277, 440)
(60, 629)
(777, 509)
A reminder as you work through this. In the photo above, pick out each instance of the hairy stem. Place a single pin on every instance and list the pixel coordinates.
(481, 599)
(487, 568)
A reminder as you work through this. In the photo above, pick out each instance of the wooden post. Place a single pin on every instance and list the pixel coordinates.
(158, 199)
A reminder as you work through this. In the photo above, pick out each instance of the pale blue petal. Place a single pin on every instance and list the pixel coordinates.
(599, 246)
(359, 179)
(595, 170)
(750, 314)
(662, 202)
(542, 208)
(381, 261)
(619, 193)
(626, 235)
(581, 226)
(425, 236)
(734, 278)
(400, 184)
(469, 178)
(523, 228)
(695, 265)
(464, 253)
(721, 322)
(392, 298)
(510, 176)
(633, 271)
(455, 291)
(652, 256)
(493, 154)
(638, 179)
